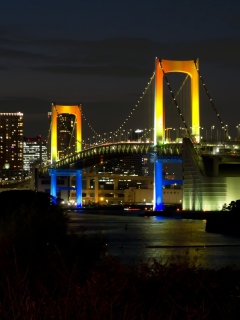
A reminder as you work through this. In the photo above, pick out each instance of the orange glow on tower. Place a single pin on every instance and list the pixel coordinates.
(189, 68)
(60, 109)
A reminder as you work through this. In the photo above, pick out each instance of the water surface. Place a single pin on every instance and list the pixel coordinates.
(134, 239)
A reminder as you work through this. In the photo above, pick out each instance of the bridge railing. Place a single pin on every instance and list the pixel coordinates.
(116, 148)
(172, 149)
(223, 148)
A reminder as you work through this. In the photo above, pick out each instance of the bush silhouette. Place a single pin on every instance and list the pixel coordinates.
(36, 231)
(30, 223)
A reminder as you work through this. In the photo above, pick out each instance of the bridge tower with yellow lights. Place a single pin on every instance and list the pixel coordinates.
(161, 68)
(53, 171)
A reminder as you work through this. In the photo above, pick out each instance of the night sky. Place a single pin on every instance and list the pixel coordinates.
(102, 53)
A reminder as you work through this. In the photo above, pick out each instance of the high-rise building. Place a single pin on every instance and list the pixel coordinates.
(34, 151)
(11, 146)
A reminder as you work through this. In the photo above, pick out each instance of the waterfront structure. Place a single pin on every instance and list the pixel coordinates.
(11, 146)
(112, 189)
(134, 164)
(109, 188)
(211, 176)
(106, 183)
(34, 151)
(42, 183)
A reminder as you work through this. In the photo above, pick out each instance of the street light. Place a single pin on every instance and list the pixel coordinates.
(201, 134)
(105, 137)
(96, 139)
(226, 131)
(89, 142)
(124, 135)
(238, 131)
(212, 127)
(167, 134)
(184, 135)
(131, 135)
(138, 131)
(145, 134)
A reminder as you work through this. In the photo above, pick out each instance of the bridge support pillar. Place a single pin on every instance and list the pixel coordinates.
(158, 185)
(53, 189)
(79, 188)
(66, 173)
(96, 189)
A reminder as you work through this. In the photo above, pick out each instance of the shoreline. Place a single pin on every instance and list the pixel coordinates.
(198, 215)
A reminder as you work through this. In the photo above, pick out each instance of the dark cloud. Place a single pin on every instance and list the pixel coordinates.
(5, 41)
(19, 54)
(103, 53)
(107, 70)
(74, 57)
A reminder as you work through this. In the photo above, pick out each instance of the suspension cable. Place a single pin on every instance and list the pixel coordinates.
(136, 105)
(88, 124)
(174, 99)
(123, 124)
(210, 99)
(48, 143)
(72, 136)
(178, 92)
(128, 117)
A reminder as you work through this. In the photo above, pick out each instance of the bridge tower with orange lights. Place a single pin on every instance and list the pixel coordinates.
(56, 111)
(161, 68)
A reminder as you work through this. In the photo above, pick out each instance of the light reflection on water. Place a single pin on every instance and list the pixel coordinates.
(135, 239)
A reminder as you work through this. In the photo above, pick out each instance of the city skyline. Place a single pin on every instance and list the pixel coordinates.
(102, 55)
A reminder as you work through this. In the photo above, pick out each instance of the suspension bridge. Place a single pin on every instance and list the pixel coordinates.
(169, 115)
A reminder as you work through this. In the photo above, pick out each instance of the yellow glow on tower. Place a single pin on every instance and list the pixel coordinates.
(189, 68)
(60, 109)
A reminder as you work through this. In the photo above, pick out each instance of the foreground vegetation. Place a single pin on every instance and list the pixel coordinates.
(48, 273)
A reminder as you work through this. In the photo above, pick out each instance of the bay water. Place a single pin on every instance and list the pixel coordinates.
(134, 239)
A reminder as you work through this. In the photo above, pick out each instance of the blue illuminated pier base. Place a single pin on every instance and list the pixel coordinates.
(159, 182)
(66, 173)
(79, 188)
(53, 189)
(158, 190)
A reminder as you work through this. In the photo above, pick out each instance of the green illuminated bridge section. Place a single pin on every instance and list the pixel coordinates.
(104, 152)
(169, 152)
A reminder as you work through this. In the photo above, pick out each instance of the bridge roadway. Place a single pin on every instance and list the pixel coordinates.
(210, 178)
(104, 152)
(169, 152)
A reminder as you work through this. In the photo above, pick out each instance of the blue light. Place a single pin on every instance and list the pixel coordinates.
(53, 192)
(157, 218)
(79, 188)
(158, 185)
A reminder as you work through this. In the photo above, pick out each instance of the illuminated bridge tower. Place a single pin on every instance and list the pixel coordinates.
(162, 67)
(56, 111)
